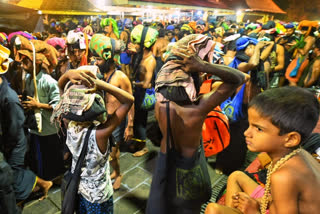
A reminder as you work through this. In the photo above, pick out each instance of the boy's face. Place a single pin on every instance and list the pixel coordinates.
(262, 135)
(27, 65)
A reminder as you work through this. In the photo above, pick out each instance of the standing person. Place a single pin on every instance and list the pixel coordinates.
(13, 146)
(76, 46)
(125, 56)
(144, 65)
(105, 61)
(280, 120)
(95, 187)
(311, 74)
(302, 48)
(45, 144)
(110, 28)
(180, 114)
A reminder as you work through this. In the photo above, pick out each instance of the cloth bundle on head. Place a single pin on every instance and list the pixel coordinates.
(77, 104)
(289, 26)
(3, 39)
(170, 27)
(186, 27)
(309, 26)
(76, 40)
(57, 43)
(200, 26)
(270, 24)
(171, 74)
(21, 33)
(45, 53)
(112, 23)
(244, 41)
(107, 48)
(150, 37)
(127, 23)
(4, 59)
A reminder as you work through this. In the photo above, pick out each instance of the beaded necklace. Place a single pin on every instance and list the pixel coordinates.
(266, 197)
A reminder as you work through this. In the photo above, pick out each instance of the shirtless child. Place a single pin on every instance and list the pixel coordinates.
(280, 120)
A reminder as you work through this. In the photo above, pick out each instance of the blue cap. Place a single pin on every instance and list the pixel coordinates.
(170, 27)
(288, 26)
(243, 42)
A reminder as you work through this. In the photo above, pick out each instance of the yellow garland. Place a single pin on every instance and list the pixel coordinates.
(266, 197)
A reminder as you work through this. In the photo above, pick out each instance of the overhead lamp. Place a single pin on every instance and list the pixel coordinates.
(39, 12)
(239, 12)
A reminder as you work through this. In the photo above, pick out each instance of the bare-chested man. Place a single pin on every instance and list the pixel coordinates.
(158, 50)
(124, 131)
(181, 164)
(144, 66)
(125, 57)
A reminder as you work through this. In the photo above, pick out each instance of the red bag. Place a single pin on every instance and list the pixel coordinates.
(215, 129)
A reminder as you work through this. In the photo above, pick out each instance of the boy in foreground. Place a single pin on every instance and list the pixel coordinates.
(280, 120)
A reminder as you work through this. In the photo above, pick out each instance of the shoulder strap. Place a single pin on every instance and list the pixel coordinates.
(169, 134)
(83, 153)
(111, 76)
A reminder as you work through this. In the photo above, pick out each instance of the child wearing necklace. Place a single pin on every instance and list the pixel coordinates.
(280, 121)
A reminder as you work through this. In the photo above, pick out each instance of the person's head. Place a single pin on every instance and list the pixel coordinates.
(307, 27)
(4, 59)
(281, 118)
(170, 35)
(75, 50)
(290, 29)
(176, 30)
(109, 25)
(106, 51)
(246, 45)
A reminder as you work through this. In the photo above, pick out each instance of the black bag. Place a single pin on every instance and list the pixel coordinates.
(70, 181)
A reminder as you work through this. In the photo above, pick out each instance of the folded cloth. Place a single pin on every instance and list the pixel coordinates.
(150, 38)
(106, 48)
(45, 53)
(171, 73)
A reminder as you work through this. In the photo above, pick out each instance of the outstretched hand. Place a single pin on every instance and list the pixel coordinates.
(243, 202)
(190, 62)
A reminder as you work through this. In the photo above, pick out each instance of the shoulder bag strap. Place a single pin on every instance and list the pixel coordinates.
(83, 153)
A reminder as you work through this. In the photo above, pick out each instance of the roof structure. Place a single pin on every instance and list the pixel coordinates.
(86, 7)
(268, 6)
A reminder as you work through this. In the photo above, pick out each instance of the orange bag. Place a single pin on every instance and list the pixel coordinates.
(302, 63)
(215, 129)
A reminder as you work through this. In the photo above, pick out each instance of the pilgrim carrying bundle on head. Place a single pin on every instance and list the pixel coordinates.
(80, 105)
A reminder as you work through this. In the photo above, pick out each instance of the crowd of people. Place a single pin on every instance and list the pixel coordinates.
(103, 76)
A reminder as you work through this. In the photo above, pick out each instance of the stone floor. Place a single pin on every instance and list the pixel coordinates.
(132, 196)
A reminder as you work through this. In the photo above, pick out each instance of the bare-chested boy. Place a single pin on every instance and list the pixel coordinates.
(280, 120)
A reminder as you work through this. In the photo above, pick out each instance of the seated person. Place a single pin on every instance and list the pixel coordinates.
(293, 177)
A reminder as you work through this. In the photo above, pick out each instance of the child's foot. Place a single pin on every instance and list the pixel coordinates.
(45, 189)
(141, 152)
(117, 183)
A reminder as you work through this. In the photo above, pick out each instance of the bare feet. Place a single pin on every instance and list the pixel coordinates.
(45, 186)
(243, 202)
(141, 152)
(117, 182)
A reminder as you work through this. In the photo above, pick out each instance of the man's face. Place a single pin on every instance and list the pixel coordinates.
(76, 55)
(107, 29)
(290, 31)
(27, 65)
(170, 36)
(176, 31)
(103, 64)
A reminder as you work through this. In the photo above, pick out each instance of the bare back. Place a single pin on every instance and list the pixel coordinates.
(295, 188)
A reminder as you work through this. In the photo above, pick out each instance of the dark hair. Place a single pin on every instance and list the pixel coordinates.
(289, 108)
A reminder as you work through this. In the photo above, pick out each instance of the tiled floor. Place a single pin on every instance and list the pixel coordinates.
(133, 194)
